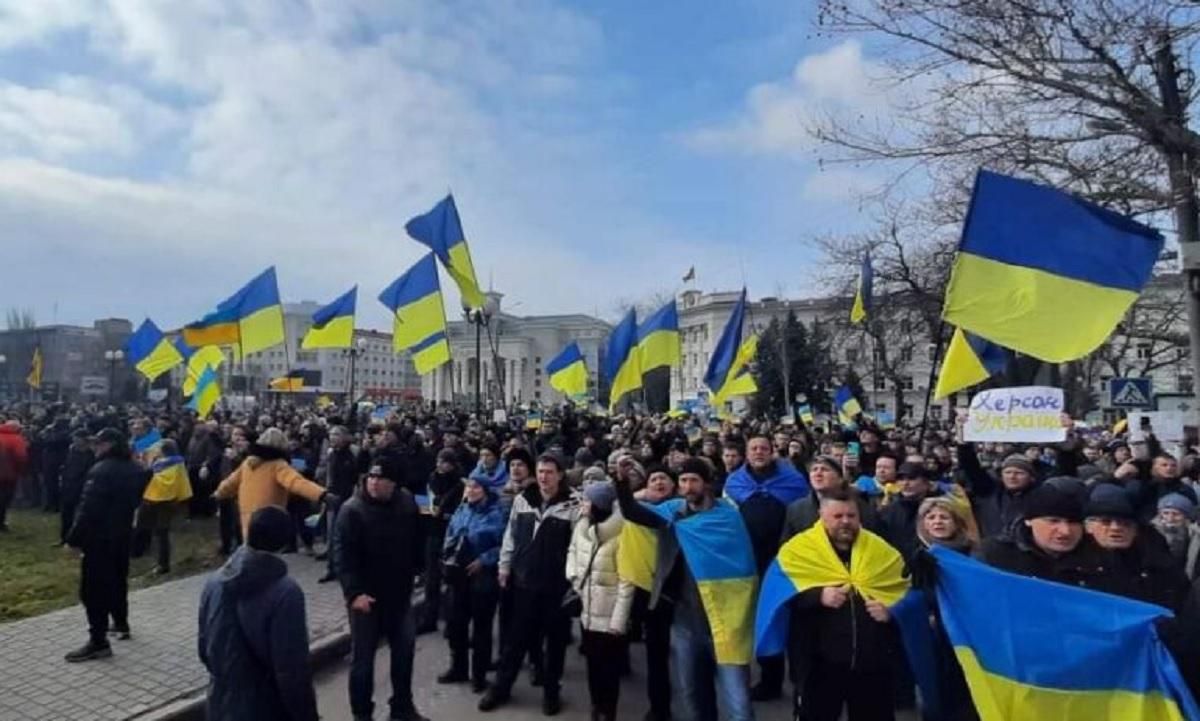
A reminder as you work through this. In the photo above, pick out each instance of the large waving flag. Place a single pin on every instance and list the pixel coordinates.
(290, 383)
(198, 359)
(259, 313)
(725, 353)
(862, 294)
(208, 391)
(808, 561)
(1043, 272)
(333, 325)
(441, 230)
(740, 380)
(970, 360)
(568, 373)
(1032, 649)
(622, 362)
(847, 405)
(151, 352)
(658, 339)
(34, 379)
(419, 325)
(216, 328)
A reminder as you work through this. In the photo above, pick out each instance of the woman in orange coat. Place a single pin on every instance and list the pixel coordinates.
(266, 478)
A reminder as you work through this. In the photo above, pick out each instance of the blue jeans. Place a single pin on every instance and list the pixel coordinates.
(393, 622)
(700, 682)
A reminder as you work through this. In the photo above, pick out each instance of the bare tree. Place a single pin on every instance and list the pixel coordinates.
(20, 319)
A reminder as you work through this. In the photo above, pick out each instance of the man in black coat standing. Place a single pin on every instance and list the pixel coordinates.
(74, 474)
(341, 477)
(378, 551)
(102, 530)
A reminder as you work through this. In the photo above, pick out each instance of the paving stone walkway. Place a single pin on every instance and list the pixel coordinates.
(157, 667)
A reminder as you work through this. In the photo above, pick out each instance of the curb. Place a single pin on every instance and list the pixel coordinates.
(323, 652)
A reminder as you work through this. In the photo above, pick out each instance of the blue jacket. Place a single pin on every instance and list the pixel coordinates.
(493, 480)
(482, 525)
(254, 641)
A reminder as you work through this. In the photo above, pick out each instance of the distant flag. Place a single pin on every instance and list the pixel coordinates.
(216, 328)
(862, 293)
(151, 352)
(34, 379)
(970, 360)
(333, 325)
(208, 392)
(622, 362)
(740, 381)
(726, 351)
(690, 275)
(441, 230)
(806, 414)
(290, 383)
(1043, 272)
(847, 405)
(568, 372)
(251, 318)
(419, 322)
(658, 339)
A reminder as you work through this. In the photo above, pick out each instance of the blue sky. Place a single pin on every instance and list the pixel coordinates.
(152, 161)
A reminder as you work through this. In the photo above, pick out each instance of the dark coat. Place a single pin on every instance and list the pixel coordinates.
(378, 547)
(898, 523)
(996, 508)
(111, 494)
(1145, 572)
(253, 640)
(1016, 553)
(537, 538)
(74, 473)
(341, 473)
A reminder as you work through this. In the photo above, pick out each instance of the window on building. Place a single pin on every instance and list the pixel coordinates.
(935, 412)
(906, 383)
(1144, 351)
(851, 355)
(1185, 385)
(537, 371)
(906, 354)
(537, 359)
(907, 411)
(930, 351)
(537, 383)
(880, 383)
(905, 325)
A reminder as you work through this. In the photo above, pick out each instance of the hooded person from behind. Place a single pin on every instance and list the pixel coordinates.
(253, 635)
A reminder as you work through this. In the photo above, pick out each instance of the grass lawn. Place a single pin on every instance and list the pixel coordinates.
(38, 577)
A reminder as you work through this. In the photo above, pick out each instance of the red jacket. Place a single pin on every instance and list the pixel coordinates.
(14, 454)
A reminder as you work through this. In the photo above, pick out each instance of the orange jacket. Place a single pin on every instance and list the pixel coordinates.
(257, 484)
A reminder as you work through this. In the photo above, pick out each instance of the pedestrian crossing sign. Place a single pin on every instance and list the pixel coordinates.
(1130, 393)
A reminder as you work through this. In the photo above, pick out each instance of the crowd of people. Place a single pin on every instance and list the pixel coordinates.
(525, 538)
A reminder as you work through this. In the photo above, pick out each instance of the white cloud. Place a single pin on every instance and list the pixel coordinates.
(779, 117)
(839, 185)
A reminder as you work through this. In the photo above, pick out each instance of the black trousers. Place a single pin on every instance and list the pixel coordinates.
(104, 587)
(66, 517)
(6, 497)
(604, 653)
(300, 509)
(537, 617)
(230, 526)
(507, 606)
(435, 536)
(866, 695)
(50, 488)
(393, 622)
(473, 602)
(657, 636)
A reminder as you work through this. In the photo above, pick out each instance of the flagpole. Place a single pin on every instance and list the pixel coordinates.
(937, 356)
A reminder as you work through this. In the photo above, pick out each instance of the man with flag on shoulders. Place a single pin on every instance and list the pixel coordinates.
(762, 489)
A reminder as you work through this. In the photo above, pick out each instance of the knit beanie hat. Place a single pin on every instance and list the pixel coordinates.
(447, 455)
(601, 495)
(522, 455)
(1178, 502)
(593, 475)
(1048, 501)
(1018, 461)
(1109, 501)
(270, 529)
(698, 467)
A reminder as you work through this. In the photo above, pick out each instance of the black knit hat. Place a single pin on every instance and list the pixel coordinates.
(270, 529)
(698, 467)
(522, 455)
(1048, 501)
(1110, 501)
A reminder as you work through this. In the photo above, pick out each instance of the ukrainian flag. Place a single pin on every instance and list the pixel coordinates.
(217, 328)
(717, 549)
(419, 325)
(741, 380)
(658, 339)
(210, 356)
(259, 313)
(622, 362)
(808, 560)
(806, 414)
(568, 373)
(1043, 272)
(289, 383)
(970, 360)
(1032, 649)
(725, 355)
(441, 230)
(862, 295)
(333, 325)
(151, 352)
(208, 392)
(847, 405)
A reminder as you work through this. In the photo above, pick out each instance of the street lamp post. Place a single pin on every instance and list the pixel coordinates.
(113, 357)
(354, 351)
(4, 375)
(480, 317)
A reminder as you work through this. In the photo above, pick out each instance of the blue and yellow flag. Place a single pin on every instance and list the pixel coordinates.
(1043, 272)
(847, 405)
(151, 352)
(862, 293)
(740, 380)
(658, 339)
(441, 230)
(210, 356)
(726, 350)
(1032, 649)
(208, 392)
(216, 328)
(970, 360)
(568, 373)
(333, 325)
(419, 325)
(258, 311)
(169, 482)
(808, 560)
(806, 414)
(293, 382)
(622, 362)
(718, 552)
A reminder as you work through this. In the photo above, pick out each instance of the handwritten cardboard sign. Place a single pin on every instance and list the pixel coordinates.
(1026, 414)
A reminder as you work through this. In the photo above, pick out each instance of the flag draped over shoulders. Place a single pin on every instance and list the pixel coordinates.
(809, 561)
(785, 484)
(637, 555)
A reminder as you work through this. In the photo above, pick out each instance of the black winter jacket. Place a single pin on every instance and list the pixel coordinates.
(74, 473)
(341, 472)
(111, 494)
(378, 547)
(534, 551)
(1016, 553)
